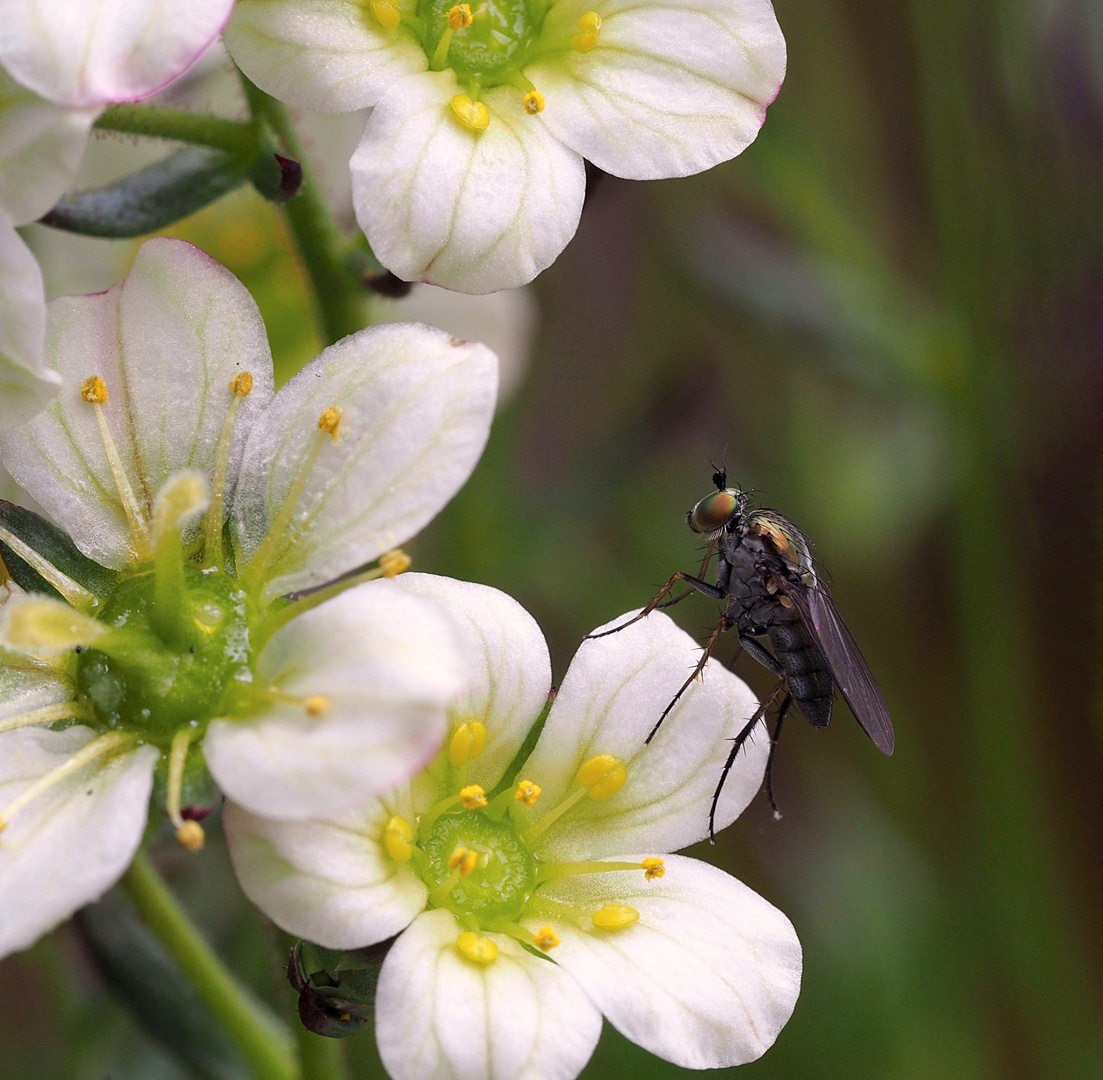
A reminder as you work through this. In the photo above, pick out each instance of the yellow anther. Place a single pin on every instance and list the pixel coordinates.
(316, 705)
(533, 102)
(190, 834)
(397, 839)
(241, 385)
(460, 17)
(463, 859)
(589, 29)
(394, 562)
(386, 13)
(94, 390)
(472, 797)
(545, 939)
(604, 775)
(527, 792)
(472, 114)
(615, 917)
(330, 421)
(653, 868)
(477, 949)
(467, 743)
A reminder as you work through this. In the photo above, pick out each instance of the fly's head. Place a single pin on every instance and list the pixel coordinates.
(721, 511)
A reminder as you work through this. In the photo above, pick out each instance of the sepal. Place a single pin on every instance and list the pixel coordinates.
(336, 989)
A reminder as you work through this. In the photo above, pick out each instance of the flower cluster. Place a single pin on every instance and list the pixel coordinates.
(189, 612)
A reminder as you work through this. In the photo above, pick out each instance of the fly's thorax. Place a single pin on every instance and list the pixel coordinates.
(140, 679)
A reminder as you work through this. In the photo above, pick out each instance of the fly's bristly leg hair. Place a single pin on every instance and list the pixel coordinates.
(680, 575)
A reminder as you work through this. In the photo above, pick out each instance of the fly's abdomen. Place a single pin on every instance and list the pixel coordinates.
(806, 671)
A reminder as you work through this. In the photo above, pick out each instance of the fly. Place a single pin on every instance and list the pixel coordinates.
(772, 589)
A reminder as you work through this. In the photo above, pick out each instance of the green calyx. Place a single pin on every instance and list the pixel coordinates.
(493, 49)
(504, 874)
(141, 679)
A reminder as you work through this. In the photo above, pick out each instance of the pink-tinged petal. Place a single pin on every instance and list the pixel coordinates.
(81, 54)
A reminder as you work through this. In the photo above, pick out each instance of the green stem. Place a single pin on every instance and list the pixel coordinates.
(322, 1058)
(261, 1038)
(181, 126)
(338, 296)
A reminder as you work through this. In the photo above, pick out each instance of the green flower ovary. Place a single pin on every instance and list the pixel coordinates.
(497, 44)
(504, 875)
(152, 686)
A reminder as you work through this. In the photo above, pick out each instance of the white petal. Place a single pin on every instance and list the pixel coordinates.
(387, 663)
(82, 54)
(327, 881)
(329, 55)
(26, 683)
(166, 341)
(439, 1016)
(506, 664)
(472, 212)
(673, 87)
(416, 411)
(613, 693)
(26, 384)
(706, 978)
(69, 845)
(41, 146)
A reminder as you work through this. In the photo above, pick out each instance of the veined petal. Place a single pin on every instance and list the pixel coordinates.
(507, 666)
(329, 881)
(439, 1016)
(416, 407)
(472, 211)
(706, 978)
(385, 665)
(26, 683)
(611, 697)
(41, 146)
(329, 55)
(83, 54)
(672, 87)
(69, 845)
(26, 384)
(166, 342)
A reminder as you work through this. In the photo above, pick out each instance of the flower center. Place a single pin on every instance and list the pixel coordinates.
(145, 679)
(479, 867)
(491, 37)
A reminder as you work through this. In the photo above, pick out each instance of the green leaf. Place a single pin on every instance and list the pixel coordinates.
(54, 545)
(153, 198)
(141, 974)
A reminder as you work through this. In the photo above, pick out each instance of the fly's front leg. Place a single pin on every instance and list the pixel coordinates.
(700, 574)
(680, 575)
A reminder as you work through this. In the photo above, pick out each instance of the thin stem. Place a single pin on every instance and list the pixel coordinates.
(321, 1058)
(181, 126)
(261, 1038)
(338, 296)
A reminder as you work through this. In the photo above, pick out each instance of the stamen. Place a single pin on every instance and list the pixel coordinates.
(478, 950)
(94, 391)
(257, 570)
(386, 13)
(314, 705)
(40, 624)
(467, 743)
(553, 871)
(653, 868)
(533, 102)
(182, 497)
(589, 29)
(463, 860)
(527, 792)
(460, 17)
(472, 797)
(604, 775)
(77, 595)
(241, 386)
(472, 114)
(394, 562)
(615, 917)
(105, 744)
(47, 714)
(545, 939)
(189, 833)
(398, 839)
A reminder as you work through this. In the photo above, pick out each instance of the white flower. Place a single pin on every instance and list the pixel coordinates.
(470, 173)
(479, 863)
(167, 642)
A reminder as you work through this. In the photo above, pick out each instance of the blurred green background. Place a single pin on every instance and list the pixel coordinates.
(887, 318)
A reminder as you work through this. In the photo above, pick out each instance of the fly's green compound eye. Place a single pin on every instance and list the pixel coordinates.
(713, 512)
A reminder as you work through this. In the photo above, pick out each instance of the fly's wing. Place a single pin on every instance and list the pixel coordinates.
(848, 666)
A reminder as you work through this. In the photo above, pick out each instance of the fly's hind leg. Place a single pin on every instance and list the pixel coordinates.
(786, 703)
(680, 575)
